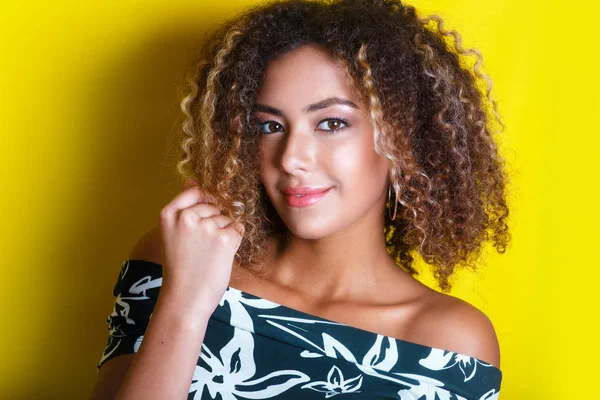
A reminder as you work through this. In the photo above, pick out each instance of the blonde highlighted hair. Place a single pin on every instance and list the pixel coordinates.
(429, 117)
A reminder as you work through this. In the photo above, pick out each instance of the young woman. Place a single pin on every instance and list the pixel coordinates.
(326, 144)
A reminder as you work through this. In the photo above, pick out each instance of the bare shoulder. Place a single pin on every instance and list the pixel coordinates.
(148, 247)
(450, 323)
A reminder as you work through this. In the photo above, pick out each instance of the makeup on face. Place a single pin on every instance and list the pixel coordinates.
(318, 164)
(304, 196)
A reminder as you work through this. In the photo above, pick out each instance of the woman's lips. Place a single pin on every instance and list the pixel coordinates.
(306, 200)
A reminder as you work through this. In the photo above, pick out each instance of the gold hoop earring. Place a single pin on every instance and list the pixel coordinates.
(395, 202)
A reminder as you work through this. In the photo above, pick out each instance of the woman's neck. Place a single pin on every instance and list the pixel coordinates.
(347, 265)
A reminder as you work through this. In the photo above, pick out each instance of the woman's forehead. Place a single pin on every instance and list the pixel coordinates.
(305, 75)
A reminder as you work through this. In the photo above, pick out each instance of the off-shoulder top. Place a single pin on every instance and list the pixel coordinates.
(254, 348)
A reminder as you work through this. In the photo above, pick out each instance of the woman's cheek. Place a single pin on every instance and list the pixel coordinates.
(349, 163)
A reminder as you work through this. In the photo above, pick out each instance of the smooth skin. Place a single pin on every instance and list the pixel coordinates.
(335, 264)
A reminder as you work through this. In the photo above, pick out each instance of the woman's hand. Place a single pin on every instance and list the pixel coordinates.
(198, 247)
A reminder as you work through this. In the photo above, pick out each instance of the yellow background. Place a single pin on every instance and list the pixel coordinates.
(89, 96)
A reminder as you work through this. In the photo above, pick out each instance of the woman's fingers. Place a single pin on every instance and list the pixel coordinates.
(188, 198)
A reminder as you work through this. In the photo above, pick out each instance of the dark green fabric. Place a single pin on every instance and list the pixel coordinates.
(257, 349)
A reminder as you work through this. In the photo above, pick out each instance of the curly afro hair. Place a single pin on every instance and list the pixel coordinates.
(431, 121)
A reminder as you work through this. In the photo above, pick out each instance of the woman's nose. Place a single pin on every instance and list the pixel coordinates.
(298, 151)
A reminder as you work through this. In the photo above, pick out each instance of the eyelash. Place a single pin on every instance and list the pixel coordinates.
(328, 132)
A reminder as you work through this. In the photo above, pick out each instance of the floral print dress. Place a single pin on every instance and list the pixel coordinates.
(257, 349)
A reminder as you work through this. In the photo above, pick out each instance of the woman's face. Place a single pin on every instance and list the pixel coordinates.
(316, 134)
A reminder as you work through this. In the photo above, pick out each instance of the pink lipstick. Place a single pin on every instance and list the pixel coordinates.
(304, 196)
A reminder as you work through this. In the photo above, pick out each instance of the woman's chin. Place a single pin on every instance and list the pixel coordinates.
(310, 229)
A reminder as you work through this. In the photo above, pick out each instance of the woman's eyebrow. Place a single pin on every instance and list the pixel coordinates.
(330, 101)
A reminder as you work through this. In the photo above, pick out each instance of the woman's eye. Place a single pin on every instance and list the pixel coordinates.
(333, 124)
(271, 126)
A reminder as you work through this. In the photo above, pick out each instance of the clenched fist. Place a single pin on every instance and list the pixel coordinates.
(198, 248)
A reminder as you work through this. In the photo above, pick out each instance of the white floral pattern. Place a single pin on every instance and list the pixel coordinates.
(335, 384)
(232, 374)
(440, 359)
(271, 351)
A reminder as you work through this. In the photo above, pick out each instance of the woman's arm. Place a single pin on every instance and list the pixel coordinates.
(164, 364)
(195, 245)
